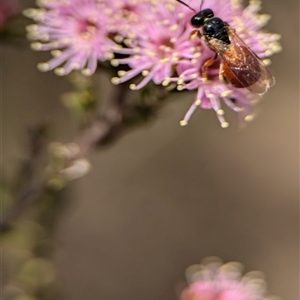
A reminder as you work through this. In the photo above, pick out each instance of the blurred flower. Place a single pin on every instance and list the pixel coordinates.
(8, 8)
(213, 280)
(77, 169)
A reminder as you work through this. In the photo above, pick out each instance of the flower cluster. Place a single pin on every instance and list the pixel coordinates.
(154, 39)
(213, 280)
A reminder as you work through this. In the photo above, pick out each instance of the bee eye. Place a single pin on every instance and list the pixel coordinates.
(207, 13)
(197, 21)
(199, 18)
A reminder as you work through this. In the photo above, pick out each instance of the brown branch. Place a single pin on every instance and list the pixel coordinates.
(25, 199)
(103, 129)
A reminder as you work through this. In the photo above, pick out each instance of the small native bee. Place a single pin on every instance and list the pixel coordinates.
(240, 66)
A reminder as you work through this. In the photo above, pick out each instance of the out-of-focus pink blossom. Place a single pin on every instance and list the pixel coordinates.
(212, 280)
(8, 9)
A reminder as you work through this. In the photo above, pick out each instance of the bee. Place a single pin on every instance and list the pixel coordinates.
(239, 66)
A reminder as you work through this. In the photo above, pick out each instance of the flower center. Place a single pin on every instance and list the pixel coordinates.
(87, 29)
(165, 47)
(129, 13)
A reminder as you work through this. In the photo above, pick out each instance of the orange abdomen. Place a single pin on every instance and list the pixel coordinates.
(239, 74)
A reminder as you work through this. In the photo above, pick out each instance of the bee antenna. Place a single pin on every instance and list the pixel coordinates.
(186, 5)
(201, 4)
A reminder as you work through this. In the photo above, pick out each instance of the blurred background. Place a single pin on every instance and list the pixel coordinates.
(163, 196)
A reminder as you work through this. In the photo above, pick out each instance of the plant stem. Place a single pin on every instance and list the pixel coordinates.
(103, 129)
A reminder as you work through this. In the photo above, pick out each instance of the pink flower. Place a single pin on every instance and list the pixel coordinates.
(159, 43)
(213, 280)
(125, 15)
(75, 31)
(155, 39)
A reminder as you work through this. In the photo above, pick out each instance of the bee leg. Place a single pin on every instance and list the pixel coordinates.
(195, 34)
(206, 65)
(222, 76)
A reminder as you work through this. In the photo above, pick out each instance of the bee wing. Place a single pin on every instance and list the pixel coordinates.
(246, 66)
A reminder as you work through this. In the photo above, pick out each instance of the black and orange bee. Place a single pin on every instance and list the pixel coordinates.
(240, 66)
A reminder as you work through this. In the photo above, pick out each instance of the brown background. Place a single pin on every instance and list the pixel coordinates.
(164, 197)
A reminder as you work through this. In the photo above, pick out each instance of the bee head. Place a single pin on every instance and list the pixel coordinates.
(199, 18)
